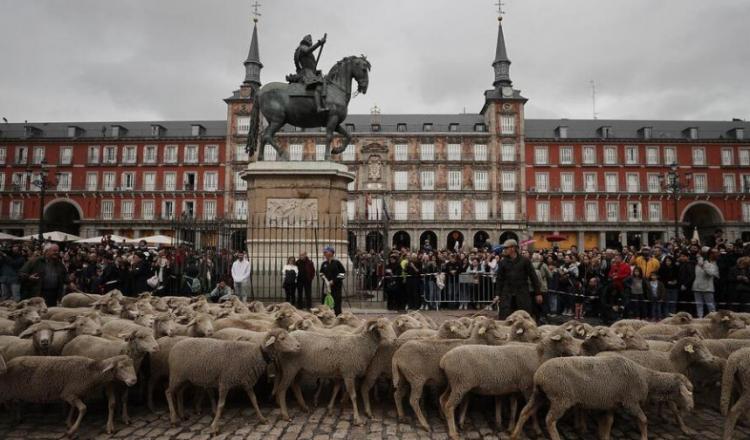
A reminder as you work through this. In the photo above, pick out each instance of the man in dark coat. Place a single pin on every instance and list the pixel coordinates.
(305, 277)
(685, 278)
(333, 273)
(515, 274)
(140, 272)
(46, 275)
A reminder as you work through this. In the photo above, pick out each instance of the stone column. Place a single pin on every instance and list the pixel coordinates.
(603, 240)
(624, 238)
(581, 240)
(644, 238)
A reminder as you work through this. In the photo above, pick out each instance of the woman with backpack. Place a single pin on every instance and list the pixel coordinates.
(290, 272)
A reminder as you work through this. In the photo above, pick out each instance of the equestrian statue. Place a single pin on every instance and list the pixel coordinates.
(308, 100)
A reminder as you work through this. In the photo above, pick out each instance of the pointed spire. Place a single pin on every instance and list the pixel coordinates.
(252, 63)
(502, 62)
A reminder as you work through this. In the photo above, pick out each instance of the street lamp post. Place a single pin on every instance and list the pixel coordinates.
(671, 184)
(42, 182)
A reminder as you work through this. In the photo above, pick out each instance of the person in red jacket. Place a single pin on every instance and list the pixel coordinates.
(619, 272)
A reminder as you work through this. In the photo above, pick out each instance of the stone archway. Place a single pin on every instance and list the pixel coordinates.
(428, 237)
(401, 239)
(455, 241)
(702, 215)
(62, 215)
(374, 241)
(481, 239)
(508, 235)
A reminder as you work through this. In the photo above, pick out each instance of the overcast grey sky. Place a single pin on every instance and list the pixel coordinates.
(93, 60)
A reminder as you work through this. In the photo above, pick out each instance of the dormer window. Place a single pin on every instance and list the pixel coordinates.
(197, 130)
(646, 132)
(453, 127)
(31, 131)
(117, 130)
(562, 132)
(157, 130)
(737, 133)
(692, 133)
(401, 128)
(605, 132)
(350, 128)
(480, 127)
(73, 131)
(427, 127)
(375, 127)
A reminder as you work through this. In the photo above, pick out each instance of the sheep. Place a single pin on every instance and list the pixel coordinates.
(577, 329)
(602, 338)
(325, 314)
(64, 332)
(718, 326)
(723, 348)
(346, 356)
(601, 383)
(224, 365)
(403, 323)
(450, 329)
(200, 326)
(43, 379)
(496, 371)
(159, 365)
(136, 345)
(636, 324)
(63, 314)
(37, 303)
(659, 345)
(426, 320)
(678, 318)
(737, 368)
(161, 325)
(80, 299)
(633, 341)
(350, 320)
(739, 334)
(515, 316)
(418, 363)
(16, 346)
(18, 321)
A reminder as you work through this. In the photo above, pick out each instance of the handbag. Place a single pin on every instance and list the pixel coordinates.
(153, 281)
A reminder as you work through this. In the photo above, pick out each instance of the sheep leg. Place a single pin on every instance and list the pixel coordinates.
(169, 394)
(449, 407)
(739, 408)
(254, 400)
(75, 401)
(637, 412)
(198, 401)
(398, 396)
(513, 412)
(150, 393)
(125, 415)
(605, 425)
(284, 383)
(463, 411)
(298, 395)
(111, 404)
(212, 399)
(678, 418)
(414, 400)
(334, 393)
(580, 421)
(316, 396)
(351, 388)
(531, 408)
(364, 390)
(499, 413)
(556, 410)
(219, 408)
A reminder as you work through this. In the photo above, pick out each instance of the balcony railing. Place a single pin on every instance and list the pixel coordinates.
(641, 190)
(113, 188)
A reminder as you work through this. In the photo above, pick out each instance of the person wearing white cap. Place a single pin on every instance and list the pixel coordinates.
(514, 276)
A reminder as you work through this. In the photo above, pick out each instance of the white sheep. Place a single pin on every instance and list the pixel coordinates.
(737, 370)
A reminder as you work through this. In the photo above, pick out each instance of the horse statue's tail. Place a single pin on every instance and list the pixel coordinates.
(253, 133)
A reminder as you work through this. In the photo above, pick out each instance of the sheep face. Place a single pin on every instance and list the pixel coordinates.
(202, 325)
(381, 329)
(518, 315)
(286, 319)
(84, 325)
(142, 341)
(144, 320)
(279, 341)
(559, 343)
(684, 393)
(602, 339)
(524, 331)
(25, 317)
(123, 368)
(347, 318)
(42, 336)
(159, 304)
(694, 350)
(578, 329)
(403, 323)
(109, 306)
(304, 324)
(164, 325)
(33, 303)
(727, 320)
(633, 340)
(679, 318)
(144, 306)
(454, 329)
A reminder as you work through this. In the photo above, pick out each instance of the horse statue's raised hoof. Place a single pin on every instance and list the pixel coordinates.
(337, 150)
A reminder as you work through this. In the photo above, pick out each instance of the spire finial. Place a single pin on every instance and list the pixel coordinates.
(500, 11)
(256, 14)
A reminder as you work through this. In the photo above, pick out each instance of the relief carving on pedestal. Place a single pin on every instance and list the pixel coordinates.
(291, 212)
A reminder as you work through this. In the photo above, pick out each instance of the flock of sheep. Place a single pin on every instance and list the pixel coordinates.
(111, 342)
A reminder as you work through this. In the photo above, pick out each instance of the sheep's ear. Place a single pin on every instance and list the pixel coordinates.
(482, 330)
(620, 335)
(453, 328)
(270, 341)
(28, 332)
(689, 348)
(291, 326)
(108, 366)
(520, 331)
(314, 310)
(556, 337)
(192, 322)
(725, 318)
(603, 332)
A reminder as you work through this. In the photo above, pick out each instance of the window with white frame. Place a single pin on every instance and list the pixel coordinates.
(428, 209)
(240, 209)
(744, 157)
(295, 152)
(2, 181)
(454, 151)
(170, 181)
(147, 210)
(211, 154)
(210, 181)
(129, 154)
(634, 211)
(400, 180)
(654, 185)
(727, 156)
(149, 154)
(613, 211)
(127, 208)
(191, 154)
(109, 181)
(401, 152)
(92, 156)
(149, 181)
(631, 155)
(109, 155)
(481, 209)
(454, 210)
(592, 211)
(566, 155)
(589, 155)
(567, 182)
(269, 153)
(508, 180)
(746, 212)
(699, 182)
(541, 155)
(38, 155)
(610, 155)
(375, 209)
(170, 154)
(508, 152)
(209, 209)
(108, 209)
(654, 211)
(652, 155)
(633, 182)
(729, 181)
(542, 211)
(190, 181)
(127, 181)
(167, 209)
(63, 181)
(481, 181)
(320, 152)
(480, 152)
(3, 155)
(670, 155)
(16, 209)
(589, 182)
(568, 211)
(542, 182)
(509, 210)
(349, 153)
(22, 155)
(240, 154)
(455, 180)
(699, 156)
(427, 180)
(427, 152)
(19, 181)
(188, 209)
(240, 184)
(92, 181)
(351, 209)
(66, 155)
(401, 209)
(745, 183)
(243, 124)
(507, 124)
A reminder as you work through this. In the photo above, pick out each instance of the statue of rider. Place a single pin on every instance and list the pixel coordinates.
(306, 65)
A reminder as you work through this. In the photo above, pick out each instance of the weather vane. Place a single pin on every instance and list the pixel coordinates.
(500, 11)
(256, 14)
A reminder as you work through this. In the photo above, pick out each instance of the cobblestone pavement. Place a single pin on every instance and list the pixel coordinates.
(240, 422)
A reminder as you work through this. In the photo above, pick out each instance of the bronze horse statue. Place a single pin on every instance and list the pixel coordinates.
(291, 104)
